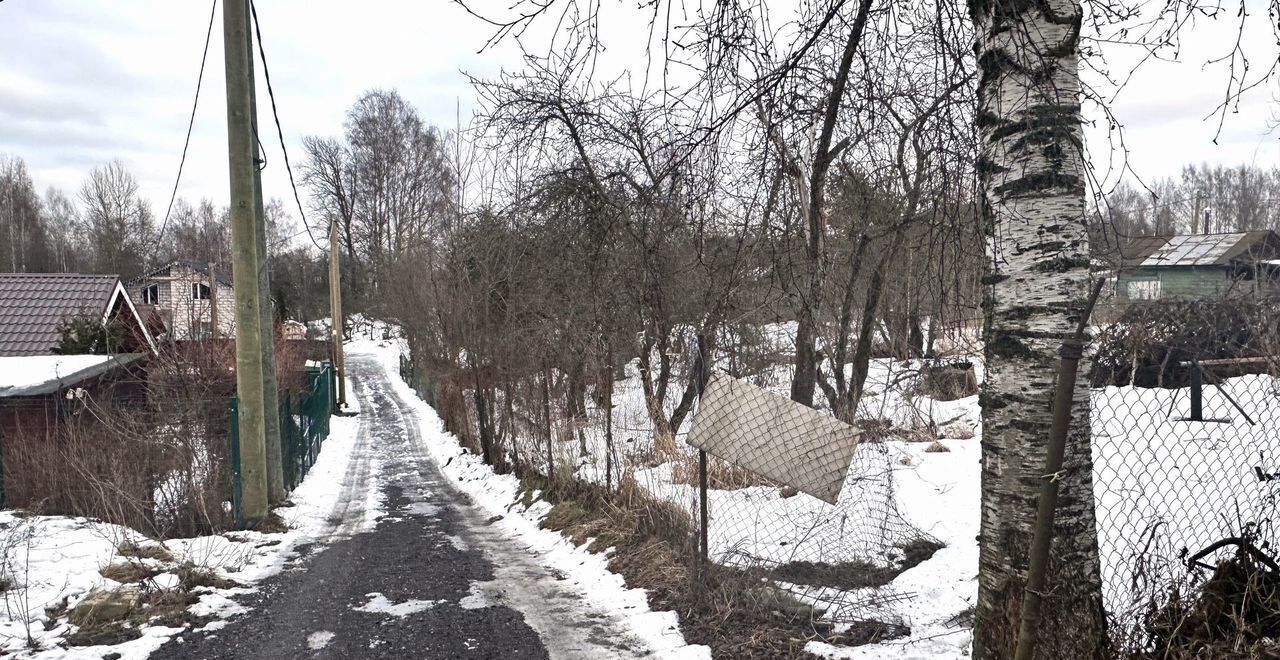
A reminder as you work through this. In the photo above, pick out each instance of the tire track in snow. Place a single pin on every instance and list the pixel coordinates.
(569, 626)
(350, 511)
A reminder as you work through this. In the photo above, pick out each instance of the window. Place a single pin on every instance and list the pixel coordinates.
(199, 291)
(151, 295)
(1144, 290)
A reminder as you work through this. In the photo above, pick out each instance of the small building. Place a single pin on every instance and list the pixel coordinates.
(195, 300)
(293, 330)
(66, 340)
(36, 390)
(1198, 267)
(36, 308)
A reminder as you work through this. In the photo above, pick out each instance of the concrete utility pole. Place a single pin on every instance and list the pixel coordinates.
(244, 263)
(335, 311)
(271, 395)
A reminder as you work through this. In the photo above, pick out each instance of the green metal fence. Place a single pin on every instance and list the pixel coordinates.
(304, 425)
(413, 375)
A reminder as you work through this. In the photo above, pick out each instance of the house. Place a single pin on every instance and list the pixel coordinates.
(36, 309)
(1198, 266)
(293, 330)
(195, 300)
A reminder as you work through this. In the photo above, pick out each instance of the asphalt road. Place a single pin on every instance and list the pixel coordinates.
(432, 580)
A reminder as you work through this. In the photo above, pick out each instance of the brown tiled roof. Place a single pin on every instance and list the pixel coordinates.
(32, 306)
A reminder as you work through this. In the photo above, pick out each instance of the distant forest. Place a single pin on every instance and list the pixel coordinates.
(108, 227)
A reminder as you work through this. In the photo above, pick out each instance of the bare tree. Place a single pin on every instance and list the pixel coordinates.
(1031, 169)
(387, 183)
(116, 220)
(20, 220)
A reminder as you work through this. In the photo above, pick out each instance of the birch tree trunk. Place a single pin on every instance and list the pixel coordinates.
(1031, 175)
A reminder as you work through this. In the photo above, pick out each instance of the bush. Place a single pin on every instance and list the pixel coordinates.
(1147, 345)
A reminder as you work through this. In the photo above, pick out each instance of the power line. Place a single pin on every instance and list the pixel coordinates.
(292, 236)
(266, 73)
(191, 122)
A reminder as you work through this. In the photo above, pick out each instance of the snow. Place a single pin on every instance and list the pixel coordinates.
(52, 559)
(379, 604)
(27, 370)
(319, 640)
(582, 571)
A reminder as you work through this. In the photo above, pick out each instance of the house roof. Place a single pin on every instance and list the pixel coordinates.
(198, 266)
(34, 305)
(1199, 249)
(34, 375)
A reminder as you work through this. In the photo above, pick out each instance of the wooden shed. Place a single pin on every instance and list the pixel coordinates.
(37, 392)
(1198, 266)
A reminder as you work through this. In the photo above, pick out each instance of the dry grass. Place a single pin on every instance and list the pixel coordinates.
(880, 429)
(654, 549)
(150, 551)
(1235, 615)
(721, 475)
(129, 572)
(192, 577)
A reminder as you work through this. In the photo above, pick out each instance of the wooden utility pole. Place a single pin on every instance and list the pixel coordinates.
(335, 311)
(244, 263)
(271, 395)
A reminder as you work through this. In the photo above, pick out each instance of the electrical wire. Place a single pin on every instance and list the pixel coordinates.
(191, 122)
(266, 74)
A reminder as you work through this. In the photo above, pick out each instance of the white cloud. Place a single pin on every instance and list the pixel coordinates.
(86, 81)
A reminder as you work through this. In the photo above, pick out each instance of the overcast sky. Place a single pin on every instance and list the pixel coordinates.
(83, 82)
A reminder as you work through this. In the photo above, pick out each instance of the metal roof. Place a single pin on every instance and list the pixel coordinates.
(1199, 249)
(34, 375)
(34, 305)
(197, 266)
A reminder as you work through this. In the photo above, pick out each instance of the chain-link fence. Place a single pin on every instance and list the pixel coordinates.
(789, 513)
(803, 502)
(1186, 435)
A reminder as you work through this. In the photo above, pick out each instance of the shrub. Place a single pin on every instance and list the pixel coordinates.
(1148, 344)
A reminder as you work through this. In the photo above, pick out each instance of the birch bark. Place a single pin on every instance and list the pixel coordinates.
(1031, 175)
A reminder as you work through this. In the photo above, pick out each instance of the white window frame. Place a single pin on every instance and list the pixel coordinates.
(1143, 289)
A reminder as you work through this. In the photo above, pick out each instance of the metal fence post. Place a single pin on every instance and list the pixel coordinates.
(702, 505)
(237, 486)
(1197, 392)
(1042, 538)
(698, 373)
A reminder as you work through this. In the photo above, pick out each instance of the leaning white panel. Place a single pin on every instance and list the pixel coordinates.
(774, 437)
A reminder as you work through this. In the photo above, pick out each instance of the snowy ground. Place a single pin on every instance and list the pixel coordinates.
(1162, 485)
(53, 560)
(601, 590)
